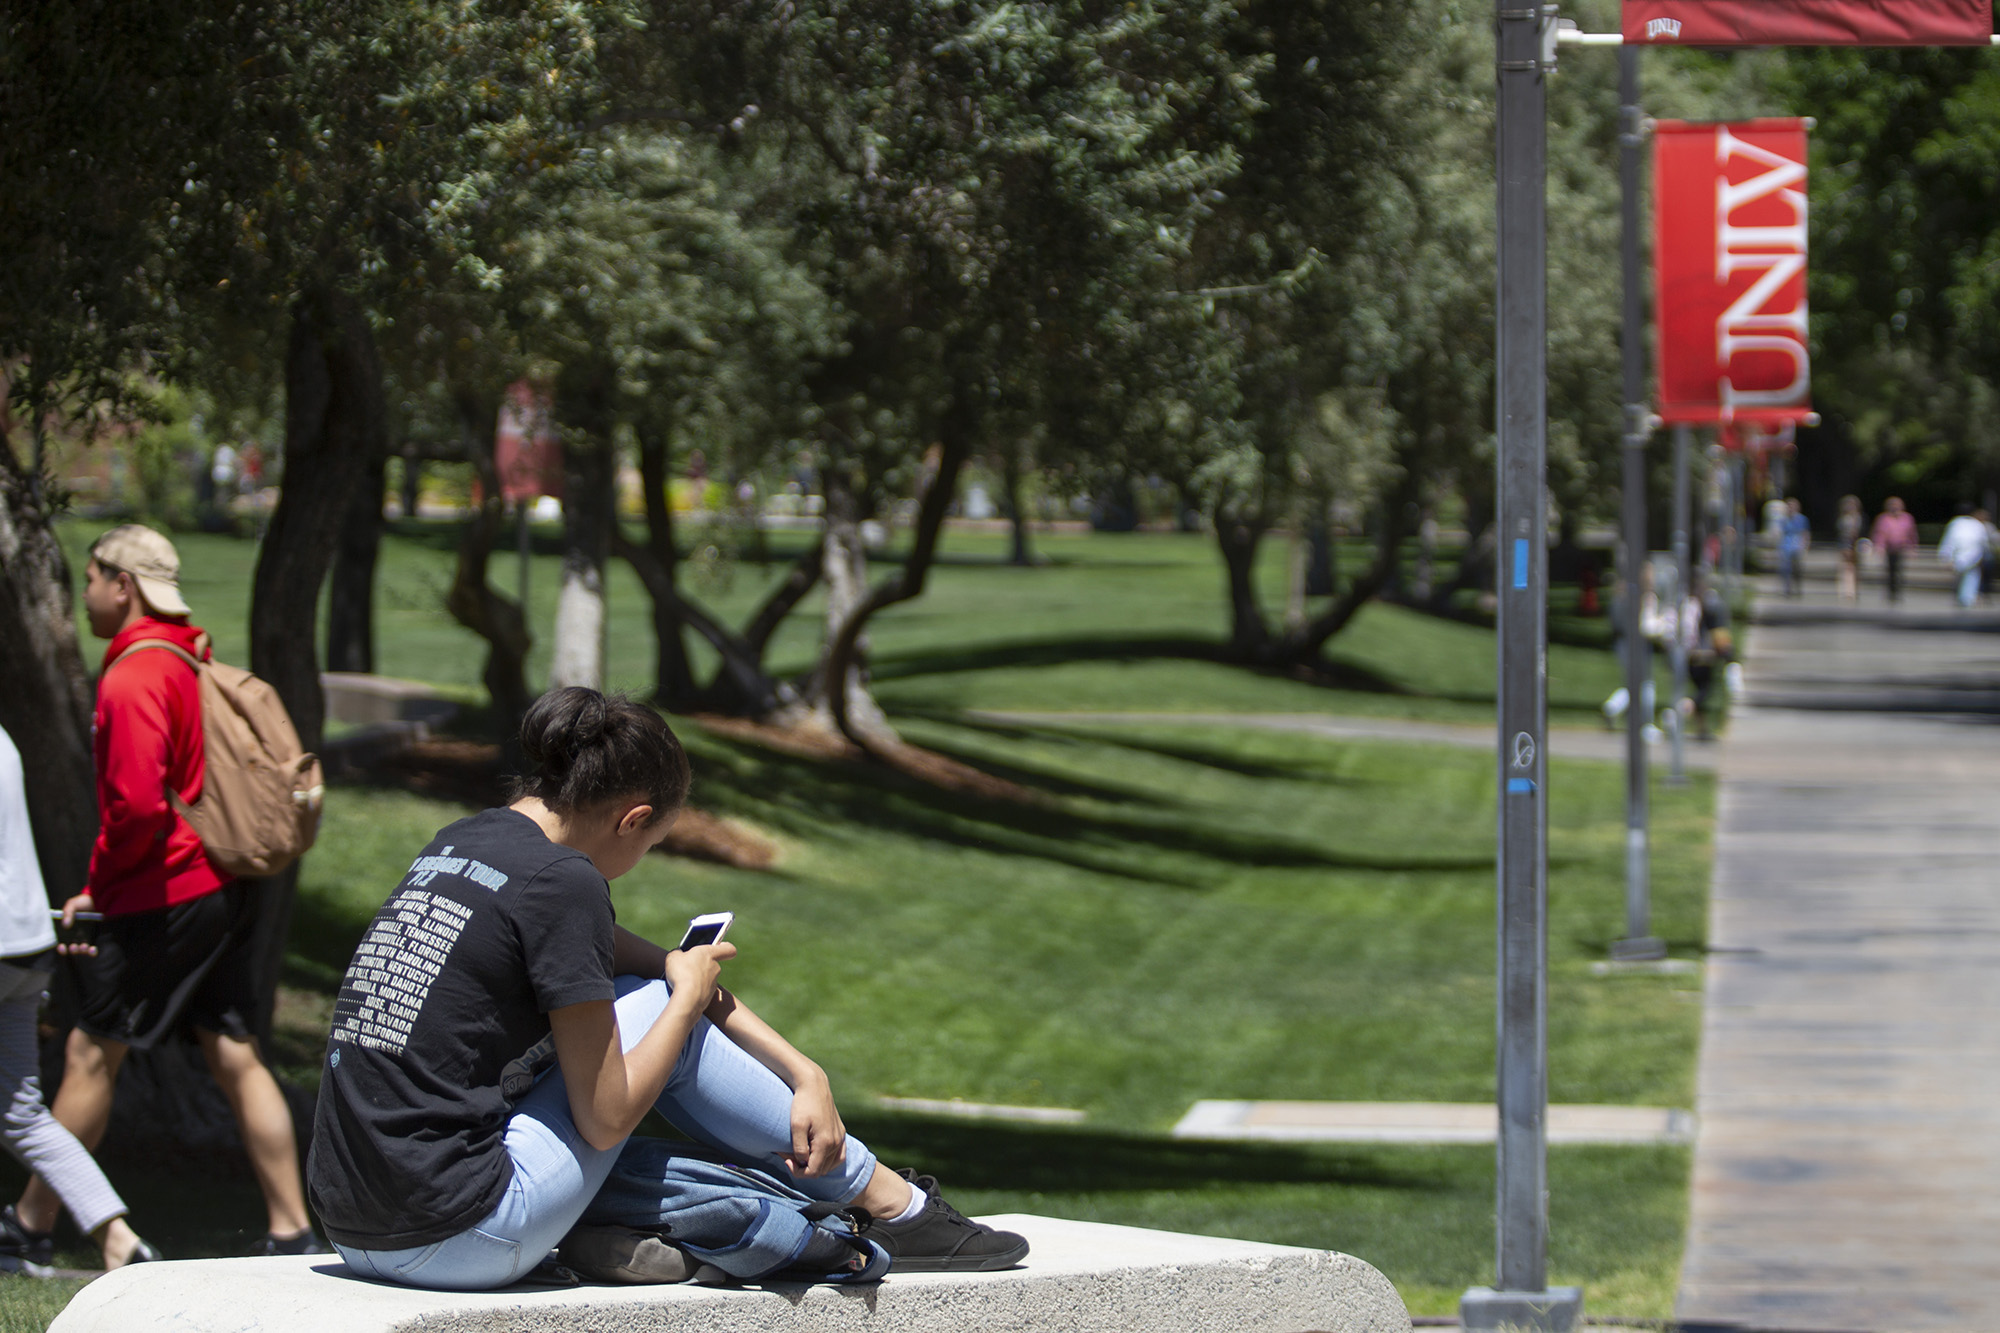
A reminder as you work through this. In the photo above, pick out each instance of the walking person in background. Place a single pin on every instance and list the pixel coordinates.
(174, 948)
(1965, 546)
(1849, 529)
(1894, 535)
(1705, 635)
(33, 1136)
(1794, 540)
(1653, 628)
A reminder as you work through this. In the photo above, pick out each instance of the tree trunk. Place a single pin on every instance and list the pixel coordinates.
(472, 601)
(673, 676)
(1238, 536)
(1427, 528)
(413, 481)
(741, 686)
(1010, 476)
(1319, 555)
(838, 686)
(335, 426)
(589, 515)
(1475, 559)
(350, 610)
(854, 710)
(45, 706)
(334, 430)
(1301, 647)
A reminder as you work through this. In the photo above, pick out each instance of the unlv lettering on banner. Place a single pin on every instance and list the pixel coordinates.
(1809, 22)
(1730, 266)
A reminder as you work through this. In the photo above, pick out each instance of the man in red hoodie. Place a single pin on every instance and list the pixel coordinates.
(173, 950)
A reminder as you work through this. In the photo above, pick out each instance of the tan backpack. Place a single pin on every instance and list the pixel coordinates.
(261, 796)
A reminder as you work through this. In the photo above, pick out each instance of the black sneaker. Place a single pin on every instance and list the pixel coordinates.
(941, 1239)
(305, 1242)
(19, 1243)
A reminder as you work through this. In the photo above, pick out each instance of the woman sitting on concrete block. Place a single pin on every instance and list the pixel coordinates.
(498, 1037)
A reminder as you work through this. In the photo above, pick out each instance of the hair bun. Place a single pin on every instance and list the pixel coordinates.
(584, 747)
(561, 726)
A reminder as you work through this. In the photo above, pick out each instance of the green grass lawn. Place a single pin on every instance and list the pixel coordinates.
(1187, 911)
(1085, 630)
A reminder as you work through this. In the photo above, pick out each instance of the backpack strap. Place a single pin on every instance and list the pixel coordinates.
(174, 798)
(173, 648)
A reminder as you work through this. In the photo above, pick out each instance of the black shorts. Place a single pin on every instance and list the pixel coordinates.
(155, 971)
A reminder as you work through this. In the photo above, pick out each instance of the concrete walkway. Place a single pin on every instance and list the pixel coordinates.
(1847, 1164)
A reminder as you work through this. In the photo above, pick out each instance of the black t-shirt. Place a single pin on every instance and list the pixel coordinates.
(442, 1022)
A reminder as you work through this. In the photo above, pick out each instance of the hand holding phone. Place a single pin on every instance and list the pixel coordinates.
(707, 929)
(699, 974)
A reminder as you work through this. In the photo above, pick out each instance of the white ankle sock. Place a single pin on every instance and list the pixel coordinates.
(918, 1201)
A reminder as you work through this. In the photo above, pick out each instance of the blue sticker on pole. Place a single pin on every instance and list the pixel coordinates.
(1520, 562)
(1520, 786)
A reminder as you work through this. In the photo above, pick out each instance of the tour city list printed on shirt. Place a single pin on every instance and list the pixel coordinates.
(405, 949)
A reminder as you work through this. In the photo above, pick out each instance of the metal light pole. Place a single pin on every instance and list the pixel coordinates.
(1739, 517)
(1683, 437)
(1525, 39)
(521, 543)
(1639, 942)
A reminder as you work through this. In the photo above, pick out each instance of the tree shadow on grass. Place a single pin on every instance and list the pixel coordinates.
(911, 664)
(1082, 733)
(808, 795)
(1025, 773)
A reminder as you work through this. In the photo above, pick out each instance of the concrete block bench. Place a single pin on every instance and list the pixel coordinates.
(1082, 1277)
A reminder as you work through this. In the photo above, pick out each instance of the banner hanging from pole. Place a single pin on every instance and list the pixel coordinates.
(1729, 263)
(1809, 22)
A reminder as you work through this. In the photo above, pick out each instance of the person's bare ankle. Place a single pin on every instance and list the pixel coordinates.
(116, 1240)
(886, 1194)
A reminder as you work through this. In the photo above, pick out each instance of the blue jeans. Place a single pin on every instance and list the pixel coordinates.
(1968, 585)
(718, 1094)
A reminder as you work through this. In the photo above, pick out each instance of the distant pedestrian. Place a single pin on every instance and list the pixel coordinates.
(1894, 535)
(1965, 547)
(1794, 540)
(34, 1137)
(1986, 568)
(1653, 627)
(1849, 529)
(223, 470)
(1705, 637)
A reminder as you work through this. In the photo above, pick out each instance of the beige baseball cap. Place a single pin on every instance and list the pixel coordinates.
(151, 561)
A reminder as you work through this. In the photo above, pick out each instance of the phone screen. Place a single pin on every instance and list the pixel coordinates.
(702, 934)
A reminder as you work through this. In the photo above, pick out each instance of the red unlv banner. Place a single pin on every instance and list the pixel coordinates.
(1730, 264)
(1810, 22)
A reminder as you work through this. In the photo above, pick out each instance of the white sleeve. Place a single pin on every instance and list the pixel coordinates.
(24, 899)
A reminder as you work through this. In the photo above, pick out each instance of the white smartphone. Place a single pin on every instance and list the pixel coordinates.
(707, 929)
